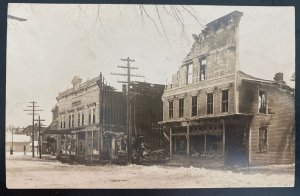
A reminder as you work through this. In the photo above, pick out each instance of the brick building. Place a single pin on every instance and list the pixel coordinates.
(215, 113)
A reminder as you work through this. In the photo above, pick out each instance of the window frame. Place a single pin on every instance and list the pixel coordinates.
(90, 116)
(78, 119)
(266, 139)
(82, 118)
(259, 102)
(209, 104)
(94, 115)
(202, 67)
(171, 111)
(189, 73)
(181, 108)
(224, 101)
(194, 106)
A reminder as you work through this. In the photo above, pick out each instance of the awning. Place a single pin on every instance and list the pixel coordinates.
(61, 131)
(203, 119)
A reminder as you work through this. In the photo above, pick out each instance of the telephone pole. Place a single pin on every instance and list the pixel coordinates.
(39, 140)
(33, 110)
(127, 67)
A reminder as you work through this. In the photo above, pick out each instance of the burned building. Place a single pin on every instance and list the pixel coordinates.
(215, 113)
(147, 111)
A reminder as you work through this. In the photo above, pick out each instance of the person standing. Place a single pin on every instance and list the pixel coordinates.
(24, 148)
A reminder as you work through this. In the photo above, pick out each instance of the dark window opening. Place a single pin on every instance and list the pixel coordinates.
(82, 120)
(263, 139)
(90, 116)
(202, 75)
(94, 115)
(181, 106)
(210, 103)
(262, 102)
(224, 100)
(194, 106)
(69, 121)
(78, 120)
(72, 120)
(170, 109)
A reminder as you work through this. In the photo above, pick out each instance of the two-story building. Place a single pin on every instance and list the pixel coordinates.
(215, 113)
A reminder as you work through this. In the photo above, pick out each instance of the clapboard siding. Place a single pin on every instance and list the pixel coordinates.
(280, 122)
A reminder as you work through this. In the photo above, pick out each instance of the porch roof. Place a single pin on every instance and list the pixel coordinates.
(197, 119)
(72, 130)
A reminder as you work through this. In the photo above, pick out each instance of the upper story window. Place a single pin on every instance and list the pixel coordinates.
(262, 102)
(202, 70)
(210, 103)
(94, 115)
(90, 116)
(224, 101)
(170, 109)
(82, 119)
(78, 120)
(189, 74)
(263, 138)
(64, 122)
(72, 123)
(194, 105)
(181, 107)
(61, 122)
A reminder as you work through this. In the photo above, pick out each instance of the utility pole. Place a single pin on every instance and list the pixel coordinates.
(33, 110)
(127, 67)
(39, 140)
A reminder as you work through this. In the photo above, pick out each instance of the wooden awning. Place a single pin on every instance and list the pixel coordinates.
(204, 120)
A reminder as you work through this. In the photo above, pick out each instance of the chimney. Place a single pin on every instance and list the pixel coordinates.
(278, 77)
(76, 81)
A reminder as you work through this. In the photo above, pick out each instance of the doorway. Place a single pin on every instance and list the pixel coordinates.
(236, 145)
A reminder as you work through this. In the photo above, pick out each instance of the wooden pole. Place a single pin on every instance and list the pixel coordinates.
(205, 143)
(39, 142)
(171, 145)
(188, 143)
(223, 123)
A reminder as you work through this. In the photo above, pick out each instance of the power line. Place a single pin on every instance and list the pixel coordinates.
(127, 67)
(33, 110)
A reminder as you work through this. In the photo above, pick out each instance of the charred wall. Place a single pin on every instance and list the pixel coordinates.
(279, 121)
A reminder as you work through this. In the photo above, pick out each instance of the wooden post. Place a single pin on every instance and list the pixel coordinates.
(92, 142)
(171, 146)
(85, 144)
(76, 147)
(223, 123)
(188, 143)
(205, 143)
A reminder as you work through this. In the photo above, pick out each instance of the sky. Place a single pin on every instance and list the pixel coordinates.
(58, 42)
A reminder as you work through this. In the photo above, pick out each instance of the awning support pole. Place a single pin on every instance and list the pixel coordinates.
(171, 147)
(188, 143)
(223, 127)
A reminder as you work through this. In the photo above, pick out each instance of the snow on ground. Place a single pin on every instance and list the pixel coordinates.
(26, 172)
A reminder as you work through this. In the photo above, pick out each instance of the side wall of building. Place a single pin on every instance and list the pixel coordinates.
(279, 121)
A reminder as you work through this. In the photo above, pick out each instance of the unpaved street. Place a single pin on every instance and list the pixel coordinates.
(26, 172)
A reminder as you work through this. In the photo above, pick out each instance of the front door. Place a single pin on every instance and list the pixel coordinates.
(236, 144)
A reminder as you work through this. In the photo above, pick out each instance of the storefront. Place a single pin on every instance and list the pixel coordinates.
(214, 140)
